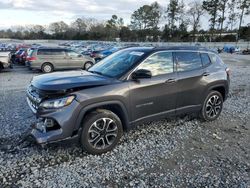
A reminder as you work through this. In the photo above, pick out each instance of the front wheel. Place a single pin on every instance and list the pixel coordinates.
(87, 65)
(101, 132)
(212, 106)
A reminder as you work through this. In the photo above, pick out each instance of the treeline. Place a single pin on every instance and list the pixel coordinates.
(177, 21)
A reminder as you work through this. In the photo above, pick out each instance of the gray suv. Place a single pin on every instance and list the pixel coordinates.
(129, 87)
(50, 59)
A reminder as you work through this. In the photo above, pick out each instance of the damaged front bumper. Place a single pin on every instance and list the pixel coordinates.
(57, 124)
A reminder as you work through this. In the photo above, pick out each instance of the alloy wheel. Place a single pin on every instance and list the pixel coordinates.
(102, 133)
(213, 106)
(47, 68)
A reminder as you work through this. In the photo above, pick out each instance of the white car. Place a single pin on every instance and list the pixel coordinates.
(4, 60)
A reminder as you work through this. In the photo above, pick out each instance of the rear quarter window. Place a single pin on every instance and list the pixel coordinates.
(215, 59)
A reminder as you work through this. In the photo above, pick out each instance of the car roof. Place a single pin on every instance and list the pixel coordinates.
(191, 48)
(50, 48)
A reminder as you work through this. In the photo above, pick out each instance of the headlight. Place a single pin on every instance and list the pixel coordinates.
(58, 103)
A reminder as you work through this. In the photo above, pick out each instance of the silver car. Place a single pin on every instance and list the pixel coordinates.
(50, 59)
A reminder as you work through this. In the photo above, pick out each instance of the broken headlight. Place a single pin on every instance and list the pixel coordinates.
(57, 103)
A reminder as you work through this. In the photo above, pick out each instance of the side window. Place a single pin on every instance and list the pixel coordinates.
(72, 53)
(57, 52)
(44, 52)
(205, 59)
(215, 59)
(187, 61)
(158, 64)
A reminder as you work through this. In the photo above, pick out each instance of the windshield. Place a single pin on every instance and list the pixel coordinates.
(117, 64)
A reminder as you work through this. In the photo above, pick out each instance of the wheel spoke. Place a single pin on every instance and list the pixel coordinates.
(102, 133)
(91, 132)
(98, 140)
(97, 127)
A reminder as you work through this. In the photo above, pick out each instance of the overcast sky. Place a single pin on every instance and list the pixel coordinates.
(26, 12)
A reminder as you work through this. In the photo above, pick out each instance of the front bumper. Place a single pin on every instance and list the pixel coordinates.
(64, 124)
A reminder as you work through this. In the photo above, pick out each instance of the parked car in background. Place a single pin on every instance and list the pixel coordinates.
(129, 87)
(19, 55)
(5, 60)
(101, 54)
(50, 59)
(246, 51)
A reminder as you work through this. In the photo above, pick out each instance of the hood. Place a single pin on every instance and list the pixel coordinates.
(62, 81)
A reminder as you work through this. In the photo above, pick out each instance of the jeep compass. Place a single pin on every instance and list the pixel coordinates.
(129, 87)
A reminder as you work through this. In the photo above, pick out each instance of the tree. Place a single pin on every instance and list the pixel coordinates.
(244, 6)
(79, 25)
(222, 8)
(58, 29)
(195, 11)
(146, 17)
(173, 11)
(212, 7)
(232, 15)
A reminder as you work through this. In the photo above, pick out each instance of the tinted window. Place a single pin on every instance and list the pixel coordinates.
(205, 59)
(50, 52)
(158, 64)
(187, 61)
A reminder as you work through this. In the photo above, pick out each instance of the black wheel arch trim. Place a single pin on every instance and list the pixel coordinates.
(85, 109)
(213, 86)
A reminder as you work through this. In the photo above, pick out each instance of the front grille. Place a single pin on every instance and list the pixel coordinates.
(33, 99)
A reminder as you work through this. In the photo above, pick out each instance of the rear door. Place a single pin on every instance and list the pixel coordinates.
(75, 60)
(154, 96)
(191, 80)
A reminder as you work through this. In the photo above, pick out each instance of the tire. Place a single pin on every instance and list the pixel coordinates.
(47, 68)
(212, 106)
(87, 65)
(99, 137)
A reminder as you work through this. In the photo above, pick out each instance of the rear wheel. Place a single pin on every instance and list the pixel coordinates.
(101, 132)
(212, 106)
(47, 68)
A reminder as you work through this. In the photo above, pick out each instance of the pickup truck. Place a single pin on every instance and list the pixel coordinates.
(5, 60)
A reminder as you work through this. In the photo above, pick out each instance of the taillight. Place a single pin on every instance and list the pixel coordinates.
(31, 58)
(228, 71)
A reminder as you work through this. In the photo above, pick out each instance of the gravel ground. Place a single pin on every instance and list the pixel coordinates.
(181, 152)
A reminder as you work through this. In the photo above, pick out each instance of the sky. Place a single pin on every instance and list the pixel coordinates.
(43, 12)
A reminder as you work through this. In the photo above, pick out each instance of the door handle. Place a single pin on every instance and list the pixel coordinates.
(206, 74)
(169, 81)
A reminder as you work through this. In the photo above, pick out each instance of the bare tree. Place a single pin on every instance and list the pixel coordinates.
(79, 25)
(222, 18)
(243, 6)
(195, 11)
(232, 15)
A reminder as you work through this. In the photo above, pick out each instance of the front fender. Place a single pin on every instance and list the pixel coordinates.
(85, 109)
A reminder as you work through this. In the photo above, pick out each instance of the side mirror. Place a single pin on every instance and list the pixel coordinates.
(79, 55)
(141, 73)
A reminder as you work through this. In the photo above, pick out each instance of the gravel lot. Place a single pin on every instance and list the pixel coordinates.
(181, 152)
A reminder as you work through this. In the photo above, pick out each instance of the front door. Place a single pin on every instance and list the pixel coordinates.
(75, 60)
